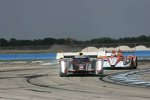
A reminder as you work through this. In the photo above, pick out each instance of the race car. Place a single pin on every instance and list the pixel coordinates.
(80, 64)
(118, 60)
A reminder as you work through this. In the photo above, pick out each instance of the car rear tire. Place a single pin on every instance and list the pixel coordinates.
(98, 73)
(62, 74)
(93, 64)
(66, 73)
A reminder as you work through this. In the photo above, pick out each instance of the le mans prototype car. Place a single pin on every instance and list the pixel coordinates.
(118, 60)
(80, 64)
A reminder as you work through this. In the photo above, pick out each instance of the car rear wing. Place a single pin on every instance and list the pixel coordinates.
(69, 55)
(125, 52)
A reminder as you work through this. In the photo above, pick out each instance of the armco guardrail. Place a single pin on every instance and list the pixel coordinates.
(44, 56)
(141, 54)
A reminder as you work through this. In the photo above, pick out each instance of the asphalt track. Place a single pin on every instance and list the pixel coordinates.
(40, 81)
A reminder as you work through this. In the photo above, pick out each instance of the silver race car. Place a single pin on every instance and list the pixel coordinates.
(80, 64)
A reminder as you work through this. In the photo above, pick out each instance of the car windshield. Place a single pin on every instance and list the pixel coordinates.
(80, 60)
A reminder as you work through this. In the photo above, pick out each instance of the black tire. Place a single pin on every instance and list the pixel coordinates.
(136, 64)
(93, 64)
(132, 64)
(99, 74)
(62, 75)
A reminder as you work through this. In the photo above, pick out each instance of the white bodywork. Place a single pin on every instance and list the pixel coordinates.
(113, 62)
(96, 54)
(99, 66)
(63, 66)
(69, 66)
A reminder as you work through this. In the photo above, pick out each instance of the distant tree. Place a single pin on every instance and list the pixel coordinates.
(13, 42)
(37, 42)
(142, 38)
(60, 41)
(128, 40)
(102, 40)
(133, 40)
(48, 41)
(148, 38)
(24, 43)
(70, 41)
(3, 42)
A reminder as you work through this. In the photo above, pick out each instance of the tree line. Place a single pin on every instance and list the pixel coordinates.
(69, 41)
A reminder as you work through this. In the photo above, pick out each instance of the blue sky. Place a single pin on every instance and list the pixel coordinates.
(78, 19)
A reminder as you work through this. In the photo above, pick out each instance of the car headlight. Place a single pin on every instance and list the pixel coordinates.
(126, 61)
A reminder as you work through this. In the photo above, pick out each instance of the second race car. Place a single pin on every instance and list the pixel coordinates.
(118, 60)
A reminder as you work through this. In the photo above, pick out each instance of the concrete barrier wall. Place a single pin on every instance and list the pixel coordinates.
(45, 56)
(27, 56)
